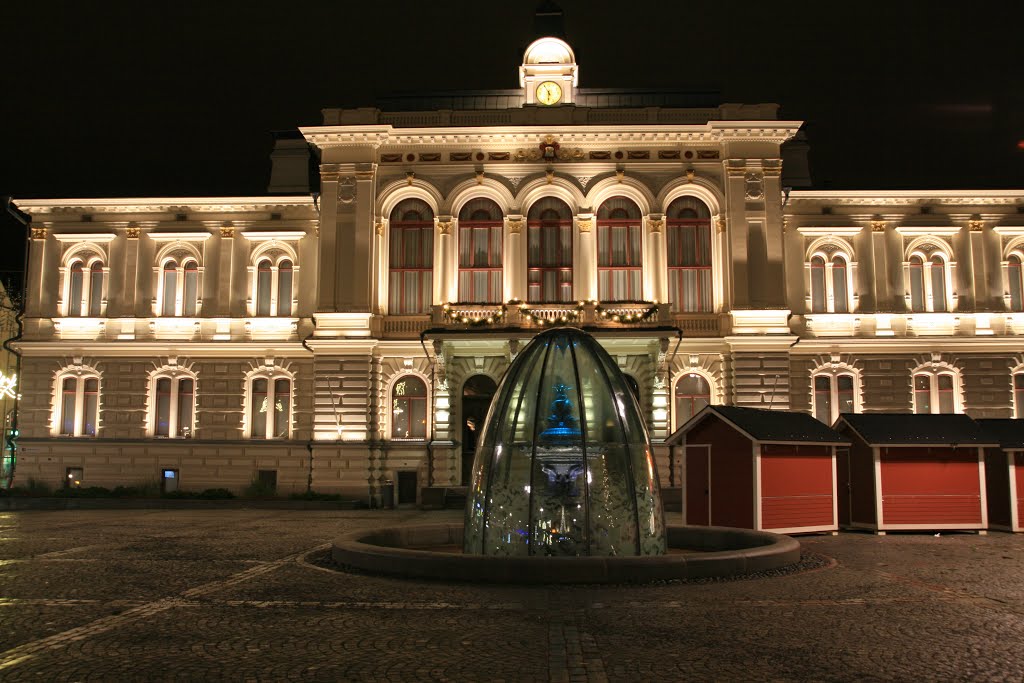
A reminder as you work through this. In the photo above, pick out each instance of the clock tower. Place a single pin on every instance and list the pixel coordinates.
(549, 74)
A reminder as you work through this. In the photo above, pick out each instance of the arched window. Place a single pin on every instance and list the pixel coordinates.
(264, 277)
(190, 306)
(480, 252)
(270, 401)
(1014, 273)
(170, 287)
(549, 251)
(938, 278)
(818, 296)
(409, 408)
(79, 403)
(692, 393)
(936, 392)
(1018, 395)
(834, 394)
(840, 296)
(688, 239)
(85, 289)
(284, 288)
(75, 289)
(917, 284)
(619, 260)
(95, 289)
(411, 258)
(173, 406)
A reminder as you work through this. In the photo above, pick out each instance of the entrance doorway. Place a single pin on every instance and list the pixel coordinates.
(477, 393)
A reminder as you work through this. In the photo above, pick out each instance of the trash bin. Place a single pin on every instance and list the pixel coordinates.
(387, 495)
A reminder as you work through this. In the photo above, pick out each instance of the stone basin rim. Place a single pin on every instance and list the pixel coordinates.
(725, 552)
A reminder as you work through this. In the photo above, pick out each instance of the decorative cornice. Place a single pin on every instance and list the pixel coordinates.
(516, 136)
(923, 230)
(84, 236)
(268, 235)
(907, 197)
(178, 236)
(829, 230)
(162, 204)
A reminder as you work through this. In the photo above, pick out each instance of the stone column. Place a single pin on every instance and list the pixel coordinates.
(585, 259)
(736, 255)
(515, 258)
(656, 264)
(443, 258)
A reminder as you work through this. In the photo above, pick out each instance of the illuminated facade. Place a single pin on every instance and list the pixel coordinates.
(353, 335)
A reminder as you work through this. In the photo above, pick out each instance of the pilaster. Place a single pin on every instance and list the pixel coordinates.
(515, 258)
(585, 259)
(772, 288)
(42, 276)
(737, 236)
(328, 267)
(445, 280)
(656, 265)
(224, 271)
(974, 255)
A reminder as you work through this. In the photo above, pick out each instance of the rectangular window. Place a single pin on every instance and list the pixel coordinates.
(845, 393)
(186, 399)
(410, 279)
(90, 415)
(163, 407)
(480, 263)
(282, 402)
(69, 402)
(619, 271)
(922, 394)
(823, 399)
(549, 262)
(259, 408)
(689, 268)
(947, 402)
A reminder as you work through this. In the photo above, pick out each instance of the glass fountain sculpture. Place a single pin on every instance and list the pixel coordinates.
(564, 464)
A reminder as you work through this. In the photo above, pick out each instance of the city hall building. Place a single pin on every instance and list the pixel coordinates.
(348, 336)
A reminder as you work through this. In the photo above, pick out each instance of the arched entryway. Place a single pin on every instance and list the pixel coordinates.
(477, 393)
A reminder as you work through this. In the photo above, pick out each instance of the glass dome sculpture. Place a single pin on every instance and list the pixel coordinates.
(564, 464)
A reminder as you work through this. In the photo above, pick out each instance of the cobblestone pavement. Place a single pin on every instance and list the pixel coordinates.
(232, 595)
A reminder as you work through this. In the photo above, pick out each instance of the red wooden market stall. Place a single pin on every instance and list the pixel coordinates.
(1004, 474)
(912, 472)
(758, 469)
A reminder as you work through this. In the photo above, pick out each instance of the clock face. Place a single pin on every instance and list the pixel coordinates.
(549, 92)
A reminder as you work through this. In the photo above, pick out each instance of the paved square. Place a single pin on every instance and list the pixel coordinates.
(229, 595)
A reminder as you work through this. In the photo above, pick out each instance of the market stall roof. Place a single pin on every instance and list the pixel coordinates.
(909, 429)
(766, 426)
(1008, 432)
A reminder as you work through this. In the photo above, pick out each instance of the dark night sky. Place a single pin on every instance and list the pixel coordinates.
(109, 99)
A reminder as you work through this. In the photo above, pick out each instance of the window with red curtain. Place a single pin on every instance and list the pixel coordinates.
(549, 251)
(410, 258)
(480, 252)
(619, 260)
(688, 241)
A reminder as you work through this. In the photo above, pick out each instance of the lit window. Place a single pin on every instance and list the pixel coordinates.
(85, 295)
(179, 288)
(549, 251)
(935, 392)
(938, 284)
(928, 283)
(410, 258)
(480, 252)
(409, 408)
(692, 393)
(270, 409)
(274, 284)
(79, 406)
(688, 241)
(916, 284)
(619, 260)
(174, 406)
(833, 395)
(818, 296)
(840, 297)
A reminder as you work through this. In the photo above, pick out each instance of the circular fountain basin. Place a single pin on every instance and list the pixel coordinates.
(434, 551)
